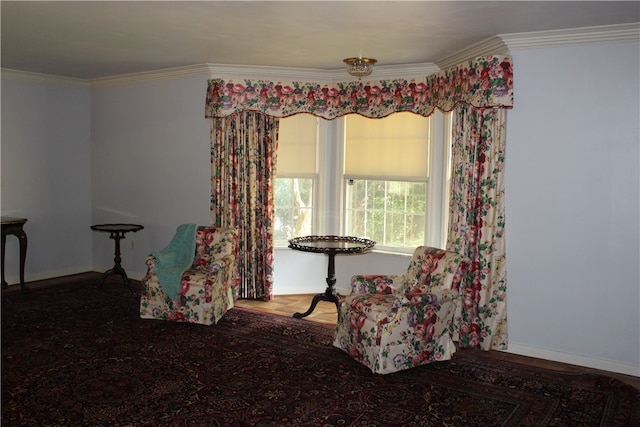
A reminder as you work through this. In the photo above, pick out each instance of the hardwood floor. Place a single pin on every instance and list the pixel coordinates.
(325, 312)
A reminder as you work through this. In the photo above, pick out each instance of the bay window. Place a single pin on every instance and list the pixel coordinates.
(384, 179)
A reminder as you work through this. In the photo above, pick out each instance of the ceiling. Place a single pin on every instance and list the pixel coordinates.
(92, 39)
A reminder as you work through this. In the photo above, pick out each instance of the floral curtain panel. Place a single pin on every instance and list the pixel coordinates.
(482, 82)
(243, 158)
(477, 223)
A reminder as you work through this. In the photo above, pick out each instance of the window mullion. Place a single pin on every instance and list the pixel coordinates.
(365, 226)
(404, 216)
(434, 230)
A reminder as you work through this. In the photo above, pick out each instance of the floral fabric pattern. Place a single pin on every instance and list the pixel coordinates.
(481, 82)
(396, 322)
(206, 288)
(213, 245)
(243, 163)
(477, 224)
(435, 268)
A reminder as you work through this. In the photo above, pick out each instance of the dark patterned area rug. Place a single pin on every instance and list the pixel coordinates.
(76, 356)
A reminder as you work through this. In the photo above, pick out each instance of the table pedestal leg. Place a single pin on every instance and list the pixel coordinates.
(22, 237)
(5, 285)
(329, 294)
(117, 268)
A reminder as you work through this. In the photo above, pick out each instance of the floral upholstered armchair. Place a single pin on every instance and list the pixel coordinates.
(394, 322)
(206, 288)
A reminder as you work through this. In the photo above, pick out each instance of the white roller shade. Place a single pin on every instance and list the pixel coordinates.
(297, 146)
(395, 147)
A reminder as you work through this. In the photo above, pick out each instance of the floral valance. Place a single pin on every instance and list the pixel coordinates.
(485, 82)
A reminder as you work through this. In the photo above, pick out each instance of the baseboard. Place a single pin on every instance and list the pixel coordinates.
(45, 275)
(574, 359)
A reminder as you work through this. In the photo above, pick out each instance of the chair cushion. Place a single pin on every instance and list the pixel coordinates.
(433, 269)
(212, 245)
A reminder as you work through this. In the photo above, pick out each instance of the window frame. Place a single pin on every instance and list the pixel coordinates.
(316, 186)
(329, 199)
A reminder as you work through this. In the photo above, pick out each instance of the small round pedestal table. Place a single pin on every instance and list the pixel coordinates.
(332, 246)
(117, 232)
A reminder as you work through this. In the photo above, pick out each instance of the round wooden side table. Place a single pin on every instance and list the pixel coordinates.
(117, 232)
(332, 246)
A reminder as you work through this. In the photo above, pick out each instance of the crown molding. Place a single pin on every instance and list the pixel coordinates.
(209, 70)
(502, 43)
(404, 71)
(491, 46)
(31, 77)
(322, 76)
(573, 36)
(258, 72)
(148, 76)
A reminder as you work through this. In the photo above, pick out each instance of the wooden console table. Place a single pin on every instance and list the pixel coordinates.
(15, 226)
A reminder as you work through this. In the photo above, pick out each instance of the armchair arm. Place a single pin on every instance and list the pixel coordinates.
(222, 263)
(376, 284)
(388, 307)
(436, 296)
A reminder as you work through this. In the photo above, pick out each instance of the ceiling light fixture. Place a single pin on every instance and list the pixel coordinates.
(360, 66)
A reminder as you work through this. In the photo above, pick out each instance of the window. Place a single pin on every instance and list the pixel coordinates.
(385, 173)
(384, 179)
(296, 177)
(390, 212)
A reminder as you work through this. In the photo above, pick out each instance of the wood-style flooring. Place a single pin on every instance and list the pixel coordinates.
(325, 312)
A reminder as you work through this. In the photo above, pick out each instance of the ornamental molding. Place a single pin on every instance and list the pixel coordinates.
(239, 72)
(573, 36)
(151, 76)
(383, 72)
(490, 46)
(27, 76)
(502, 43)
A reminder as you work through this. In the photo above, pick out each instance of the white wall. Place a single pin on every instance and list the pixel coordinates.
(572, 204)
(571, 191)
(46, 176)
(300, 272)
(150, 164)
